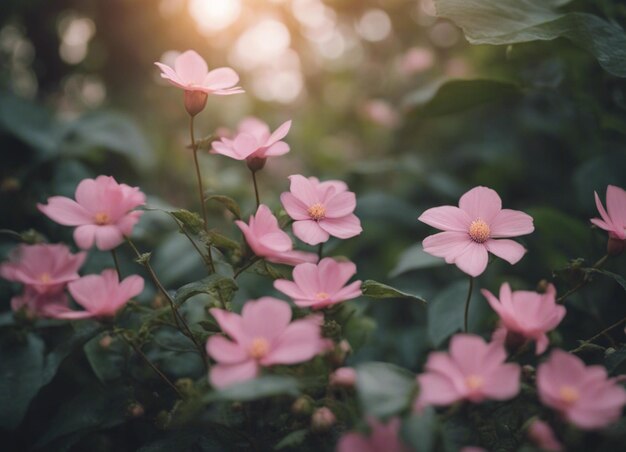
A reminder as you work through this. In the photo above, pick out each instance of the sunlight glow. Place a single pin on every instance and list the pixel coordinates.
(214, 15)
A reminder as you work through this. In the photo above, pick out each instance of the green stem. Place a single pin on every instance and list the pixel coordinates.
(584, 282)
(246, 266)
(467, 304)
(117, 264)
(601, 333)
(256, 189)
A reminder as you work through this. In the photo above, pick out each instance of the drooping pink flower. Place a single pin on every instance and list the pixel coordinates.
(613, 218)
(528, 314)
(103, 212)
(263, 335)
(39, 305)
(320, 209)
(268, 241)
(584, 395)
(43, 268)
(477, 227)
(254, 142)
(473, 370)
(542, 435)
(101, 295)
(382, 438)
(320, 285)
(344, 376)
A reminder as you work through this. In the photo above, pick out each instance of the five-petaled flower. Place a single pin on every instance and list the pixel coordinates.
(103, 212)
(478, 226)
(263, 335)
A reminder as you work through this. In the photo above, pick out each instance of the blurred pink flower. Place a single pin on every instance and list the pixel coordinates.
(529, 314)
(102, 212)
(268, 241)
(381, 112)
(382, 438)
(471, 230)
(542, 435)
(584, 395)
(415, 60)
(191, 73)
(261, 336)
(473, 370)
(613, 221)
(253, 141)
(344, 376)
(322, 419)
(39, 305)
(101, 295)
(320, 209)
(320, 285)
(44, 269)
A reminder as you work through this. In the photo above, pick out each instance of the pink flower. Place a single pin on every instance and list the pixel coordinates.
(320, 285)
(473, 370)
(101, 295)
(261, 336)
(584, 395)
(323, 419)
(529, 314)
(102, 212)
(39, 305)
(415, 60)
(613, 221)
(471, 230)
(382, 438)
(542, 435)
(320, 209)
(344, 376)
(381, 112)
(253, 141)
(267, 240)
(44, 269)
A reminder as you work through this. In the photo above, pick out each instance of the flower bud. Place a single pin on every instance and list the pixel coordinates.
(344, 376)
(195, 101)
(322, 419)
(302, 405)
(255, 163)
(136, 409)
(105, 342)
(615, 246)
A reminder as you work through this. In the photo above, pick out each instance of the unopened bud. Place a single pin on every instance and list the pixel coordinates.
(322, 419)
(615, 246)
(105, 342)
(255, 163)
(184, 385)
(344, 376)
(302, 405)
(195, 101)
(542, 286)
(136, 409)
(158, 302)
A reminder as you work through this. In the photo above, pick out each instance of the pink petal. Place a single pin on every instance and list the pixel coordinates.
(130, 287)
(436, 389)
(220, 78)
(349, 292)
(220, 147)
(448, 244)
(295, 208)
(255, 127)
(224, 375)
(108, 237)
(310, 231)
(601, 210)
(306, 277)
(191, 68)
(447, 218)
(303, 189)
(509, 250)
(541, 344)
(277, 241)
(467, 352)
(230, 323)
(280, 148)
(293, 257)
(65, 211)
(503, 383)
(340, 205)
(343, 228)
(481, 202)
(290, 288)
(244, 144)
(299, 342)
(169, 74)
(84, 236)
(511, 223)
(224, 351)
(265, 318)
(354, 442)
(473, 260)
(616, 205)
(280, 133)
(333, 275)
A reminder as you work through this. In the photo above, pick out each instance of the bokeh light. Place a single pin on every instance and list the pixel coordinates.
(214, 15)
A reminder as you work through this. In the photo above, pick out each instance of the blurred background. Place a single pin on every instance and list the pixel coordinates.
(80, 96)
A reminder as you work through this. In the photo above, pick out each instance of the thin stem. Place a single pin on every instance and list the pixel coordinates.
(209, 264)
(467, 303)
(256, 189)
(248, 264)
(601, 333)
(584, 282)
(194, 149)
(117, 264)
(151, 364)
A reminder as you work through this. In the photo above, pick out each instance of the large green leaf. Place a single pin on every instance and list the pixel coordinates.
(374, 289)
(259, 388)
(384, 389)
(107, 362)
(503, 22)
(415, 258)
(418, 430)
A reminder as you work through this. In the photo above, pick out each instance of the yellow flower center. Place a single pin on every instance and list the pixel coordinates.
(569, 394)
(474, 382)
(101, 218)
(45, 277)
(322, 296)
(317, 211)
(479, 231)
(259, 348)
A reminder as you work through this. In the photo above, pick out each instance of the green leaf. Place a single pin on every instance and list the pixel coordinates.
(259, 388)
(227, 202)
(222, 242)
(190, 220)
(374, 289)
(415, 258)
(418, 430)
(618, 279)
(213, 285)
(504, 22)
(20, 378)
(293, 439)
(452, 96)
(384, 389)
(446, 312)
(616, 362)
(106, 362)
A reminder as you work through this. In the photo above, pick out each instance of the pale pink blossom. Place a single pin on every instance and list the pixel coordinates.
(321, 285)
(44, 269)
(381, 113)
(542, 435)
(415, 60)
(344, 376)
(381, 438)
(254, 141)
(613, 218)
(584, 395)
(103, 212)
(477, 227)
(191, 73)
(101, 295)
(268, 241)
(263, 335)
(528, 314)
(39, 305)
(473, 370)
(320, 210)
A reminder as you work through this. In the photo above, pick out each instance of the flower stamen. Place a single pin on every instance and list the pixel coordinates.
(479, 231)
(474, 382)
(569, 394)
(101, 218)
(317, 211)
(259, 348)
